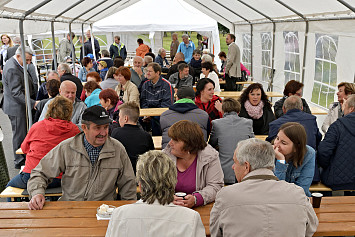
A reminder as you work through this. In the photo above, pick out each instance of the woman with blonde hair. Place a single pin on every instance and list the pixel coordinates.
(6, 43)
(45, 135)
(295, 160)
(155, 212)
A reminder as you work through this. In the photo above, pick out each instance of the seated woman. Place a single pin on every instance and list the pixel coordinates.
(91, 76)
(126, 90)
(92, 90)
(295, 161)
(110, 101)
(110, 82)
(87, 67)
(335, 109)
(208, 72)
(256, 106)
(206, 100)
(291, 88)
(199, 170)
(155, 213)
(45, 135)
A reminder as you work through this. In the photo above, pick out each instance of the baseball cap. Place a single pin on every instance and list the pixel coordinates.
(90, 55)
(186, 92)
(96, 114)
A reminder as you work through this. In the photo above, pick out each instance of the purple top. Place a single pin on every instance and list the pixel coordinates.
(186, 182)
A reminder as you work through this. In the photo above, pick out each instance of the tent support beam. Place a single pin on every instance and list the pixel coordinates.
(53, 47)
(214, 12)
(305, 35)
(69, 8)
(89, 10)
(36, 7)
(92, 42)
(231, 11)
(103, 10)
(82, 39)
(23, 55)
(251, 48)
(72, 48)
(347, 5)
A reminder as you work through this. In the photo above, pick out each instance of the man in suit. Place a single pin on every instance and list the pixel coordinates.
(13, 103)
(12, 50)
(232, 70)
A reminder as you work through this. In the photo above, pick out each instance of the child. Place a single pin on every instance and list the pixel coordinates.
(103, 69)
(196, 62)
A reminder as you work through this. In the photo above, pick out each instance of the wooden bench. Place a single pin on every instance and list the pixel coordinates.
(11, 192)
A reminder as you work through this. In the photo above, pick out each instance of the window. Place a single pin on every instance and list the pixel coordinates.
(292, 56)
(246, 59)
(43, 51)
(266, 44)
(325, 77)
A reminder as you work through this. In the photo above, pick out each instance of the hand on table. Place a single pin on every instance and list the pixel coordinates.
(36, 202)
(187, 201)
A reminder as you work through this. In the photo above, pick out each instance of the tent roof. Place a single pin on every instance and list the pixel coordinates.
(224, 11)
(180, 16)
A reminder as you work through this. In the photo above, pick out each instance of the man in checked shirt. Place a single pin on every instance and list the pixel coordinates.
(93, 165)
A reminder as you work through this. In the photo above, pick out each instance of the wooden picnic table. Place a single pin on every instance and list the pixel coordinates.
(336, 217)
(238, 82)
(236, 94)
(317, 110)
(152, 111)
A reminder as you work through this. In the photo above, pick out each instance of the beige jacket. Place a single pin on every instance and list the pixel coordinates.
(130, 93)
(258, 207)
(209, 174)
(81, 181)
(233, 61)
(142, 219)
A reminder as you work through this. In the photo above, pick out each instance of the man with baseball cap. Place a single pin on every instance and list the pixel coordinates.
(93, 165)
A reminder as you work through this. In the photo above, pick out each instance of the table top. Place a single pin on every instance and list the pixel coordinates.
(336, 217)
(317, 110)
(238, 82)
(237, 94)
(152, 111)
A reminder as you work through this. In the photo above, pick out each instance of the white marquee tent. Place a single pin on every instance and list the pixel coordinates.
(309, 40)
(155, 17)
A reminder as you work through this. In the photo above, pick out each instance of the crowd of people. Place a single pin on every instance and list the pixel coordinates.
(88, 138)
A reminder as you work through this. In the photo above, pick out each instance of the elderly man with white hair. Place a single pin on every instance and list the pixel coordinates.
(186, 47)
(260, 204)
(13, 102)
(162, 61)
(137, 73)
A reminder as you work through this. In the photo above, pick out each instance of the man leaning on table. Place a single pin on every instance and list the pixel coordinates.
(93, 165)
(260, 204)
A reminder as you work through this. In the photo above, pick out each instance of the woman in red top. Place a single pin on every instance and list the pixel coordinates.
(45, 135)
(206, 100)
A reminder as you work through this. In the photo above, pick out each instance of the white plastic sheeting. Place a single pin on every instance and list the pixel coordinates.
(150, 16)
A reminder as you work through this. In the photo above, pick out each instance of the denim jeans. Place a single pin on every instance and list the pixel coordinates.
(20, 181)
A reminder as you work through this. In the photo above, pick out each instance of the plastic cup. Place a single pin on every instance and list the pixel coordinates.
(316, 199)
(181, 194)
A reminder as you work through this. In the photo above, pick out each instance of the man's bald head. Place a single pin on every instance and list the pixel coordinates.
(68, 90)
(179, 57)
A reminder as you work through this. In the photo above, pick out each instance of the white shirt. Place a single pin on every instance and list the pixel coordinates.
(214, 77)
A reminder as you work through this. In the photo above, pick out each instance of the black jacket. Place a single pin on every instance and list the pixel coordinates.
(135, 140)
(268, 117)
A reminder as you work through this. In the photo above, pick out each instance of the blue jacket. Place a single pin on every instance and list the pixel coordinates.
(161, 60)
(93, 99)
(336, 154)
(308, 121)
(187, 51)
(302, 175)
(159, 95)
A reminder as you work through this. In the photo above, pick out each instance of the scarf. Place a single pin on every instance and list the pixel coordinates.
(254, 112)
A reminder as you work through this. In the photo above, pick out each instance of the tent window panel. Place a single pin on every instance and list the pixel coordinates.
(292, 57)
(325, 79)
(266, 43)
(43, 51)
(246, 58)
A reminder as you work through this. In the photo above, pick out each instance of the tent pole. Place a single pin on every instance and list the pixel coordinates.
(53, 47)
(82, 39)
(72, 49)
(272, 73)
(92, 43)
(27, 88)
(251, 49)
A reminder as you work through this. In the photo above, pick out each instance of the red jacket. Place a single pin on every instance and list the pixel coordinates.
(42, 137)
(209, 107)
